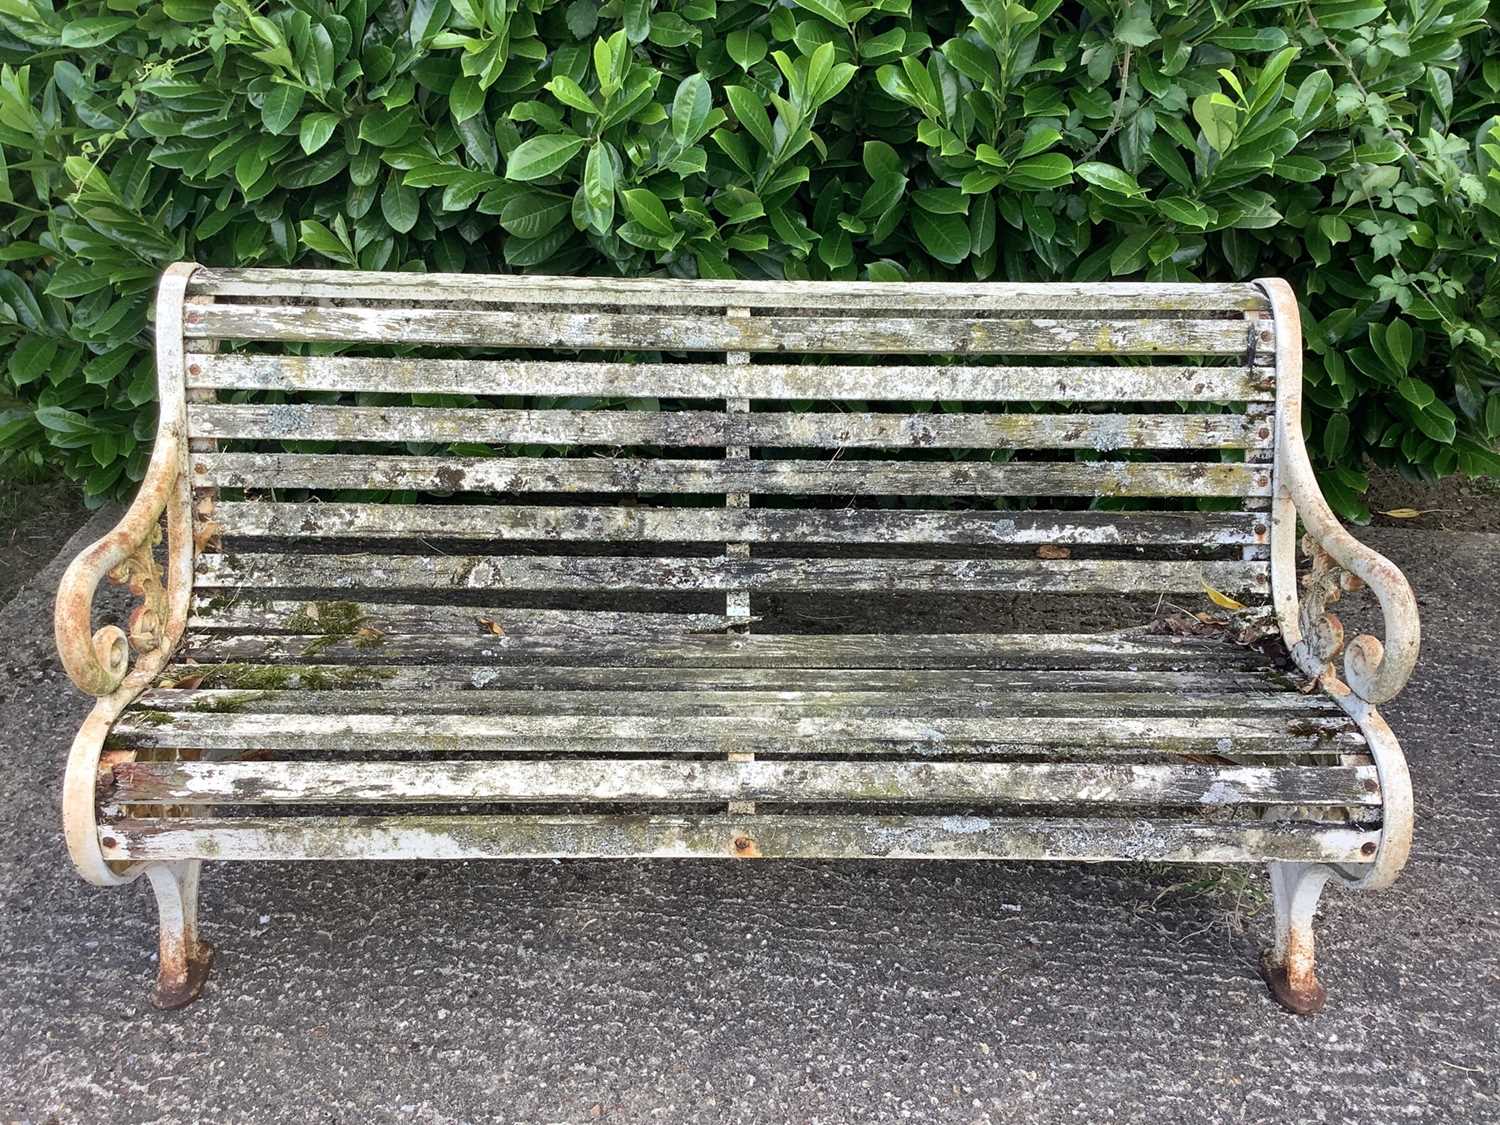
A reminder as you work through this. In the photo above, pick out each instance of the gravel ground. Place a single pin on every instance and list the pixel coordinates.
(790, 992)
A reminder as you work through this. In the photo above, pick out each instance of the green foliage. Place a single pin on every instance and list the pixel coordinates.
(1349, 145)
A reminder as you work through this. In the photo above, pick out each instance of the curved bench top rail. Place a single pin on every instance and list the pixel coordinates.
(438, 288)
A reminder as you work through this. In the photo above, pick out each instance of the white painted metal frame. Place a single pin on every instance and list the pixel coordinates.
(98, 662)
(1373, 672)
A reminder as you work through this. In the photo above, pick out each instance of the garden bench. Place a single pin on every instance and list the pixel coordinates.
(532, 614)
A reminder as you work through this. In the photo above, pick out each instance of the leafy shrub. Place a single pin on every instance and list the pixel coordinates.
(1349, 145)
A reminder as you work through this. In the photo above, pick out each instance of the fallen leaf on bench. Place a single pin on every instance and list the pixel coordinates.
(1221, 599)
(493, 626)
(1188, 625)
(1052, 551)
(1410, 513)
(207, 535)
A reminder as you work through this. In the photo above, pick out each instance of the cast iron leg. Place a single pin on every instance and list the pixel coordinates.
(1288, 965)
(184, 961)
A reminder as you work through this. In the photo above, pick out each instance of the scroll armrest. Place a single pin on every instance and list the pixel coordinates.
(1374, 671)
(97, 664)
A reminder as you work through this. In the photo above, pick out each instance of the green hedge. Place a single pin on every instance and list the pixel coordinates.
(1349, 145)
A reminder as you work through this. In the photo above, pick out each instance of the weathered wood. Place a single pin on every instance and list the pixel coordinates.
(580, 523)
(245, 680)
(953, 701)
(1101, 432)
(451, 424)
(573, 572)
(884, 383)
(775, 651)
(980, 783)
(436, 288)
(810, 478)
(594, 733)
(247, 614)
(891, 335)
(848, 837)
(498, 651)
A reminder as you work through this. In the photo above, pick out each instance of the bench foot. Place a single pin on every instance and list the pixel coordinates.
(185, 958)
(1288, 966)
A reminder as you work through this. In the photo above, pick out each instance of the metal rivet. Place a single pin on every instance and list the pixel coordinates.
(108, 842)
(1367, 849)
(195, 369)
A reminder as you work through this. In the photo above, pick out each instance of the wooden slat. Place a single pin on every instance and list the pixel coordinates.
(886, 383)
(1103, 432)
(484, 649)
(435, 288)
(889, 837)
(651, 574)
(811, 478)
(787, 651)
(890, 335)
(937, 701)
(383, 733)
(982, 783)
(241, 680)
(580, 523)
(451, 424)
(258, 615)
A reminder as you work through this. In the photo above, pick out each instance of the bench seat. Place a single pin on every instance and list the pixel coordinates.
(527, 567)
(585, 743)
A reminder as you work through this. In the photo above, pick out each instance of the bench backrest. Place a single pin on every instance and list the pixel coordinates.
(726, 437)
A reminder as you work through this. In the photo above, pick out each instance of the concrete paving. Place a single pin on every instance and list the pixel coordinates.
(790, 992)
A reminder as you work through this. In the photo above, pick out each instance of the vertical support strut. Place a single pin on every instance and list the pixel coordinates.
(1261, 352)
(203, 499)
(1289, 966)
(185, 958)
(737, 601)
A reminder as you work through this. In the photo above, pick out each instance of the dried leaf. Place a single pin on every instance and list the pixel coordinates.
(206, 535)
(1187, 625)
(492, 626)
(1221, 599)
(1410, 513)
(1053, 551)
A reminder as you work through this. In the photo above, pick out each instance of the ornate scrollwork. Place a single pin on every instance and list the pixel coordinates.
(1325, 583)
(142, 575)
(98, 662)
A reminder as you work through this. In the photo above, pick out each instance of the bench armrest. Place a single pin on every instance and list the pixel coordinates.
(97, 662)
(1374, 671)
